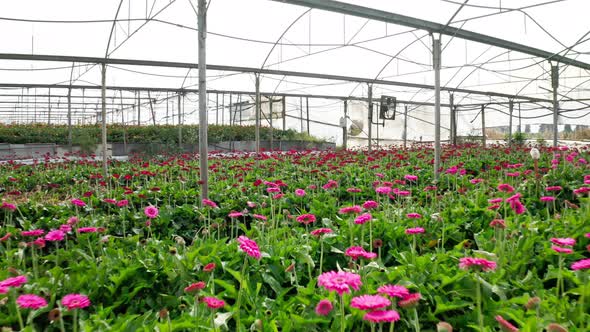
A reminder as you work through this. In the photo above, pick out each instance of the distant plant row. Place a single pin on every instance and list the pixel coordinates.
(166, 134)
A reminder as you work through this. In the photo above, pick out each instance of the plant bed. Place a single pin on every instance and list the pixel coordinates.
(299, 241)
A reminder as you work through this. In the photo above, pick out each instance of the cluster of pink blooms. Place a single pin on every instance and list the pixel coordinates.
(415, 230)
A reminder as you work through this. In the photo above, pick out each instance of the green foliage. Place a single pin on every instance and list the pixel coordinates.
(162, 134)
(518, 138)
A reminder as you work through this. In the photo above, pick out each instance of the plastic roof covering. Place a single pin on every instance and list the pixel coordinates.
(268, 34)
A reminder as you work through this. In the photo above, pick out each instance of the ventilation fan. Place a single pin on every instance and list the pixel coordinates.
(356, 127)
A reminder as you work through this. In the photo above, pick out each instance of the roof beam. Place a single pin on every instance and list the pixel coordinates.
(175, 90)
(432, 27)
(150, 63)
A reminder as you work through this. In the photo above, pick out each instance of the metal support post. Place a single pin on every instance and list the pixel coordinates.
(270, 100)
(510, 110)
(179, 121)
(344, 131)
(139, 108)
(436, 54)
(483, 126)
(555, 85)
(257, 127)
(203, 143)
(70, 119)
(307, 111)
(405, 133)
(104, 122)
(452, 118)
(49, 108)
(370, 116)
(284, 106)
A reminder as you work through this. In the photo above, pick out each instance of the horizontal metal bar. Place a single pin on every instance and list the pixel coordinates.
(432, 27)
(151, 63)
(184, 91)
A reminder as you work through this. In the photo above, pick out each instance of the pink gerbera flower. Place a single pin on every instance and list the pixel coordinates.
(582, 264)
(485, 265)
(415, 230)
(409, 300)
(318, 232)
(394, 291)
(363, 218)
(350, 210)
(306, 219)
(414, 215)
(369, 205)
(75, 301)
(209, 203)
(14, 281)
(151, 212)
(55, 235)
(563, 241)
(87, 230)
(213, 303)
(547, 198)
(300, 192)
(34, 232)
(30, 301)
(383, 190)
(561, 250)
(505, 187)
(250, 247)
(355, 252)
(324, 307)
(78, 202)
(506, 325)
(381, 316)
(369, 302)
(340, 281)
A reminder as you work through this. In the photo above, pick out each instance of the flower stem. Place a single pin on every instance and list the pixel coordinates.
(478, 300)
(75, 320)
(20, 318)
(321, 253)
(342, 318)
(416, 321)
(239, 301)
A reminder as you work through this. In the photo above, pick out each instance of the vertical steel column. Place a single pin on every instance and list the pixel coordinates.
(257, 126)
(223, 108)
(307, 111)
(179, 122)
(370, 116)
(284, 106)
(483, 126)
(452, 119)
(139, 108)
(203, 125)
(70, 119)
(436, 62)
(152, 109)
(104, 122)
(555, 85)
(519, 120)
(49, 108)
(167, 110)
(217, 108)
(344, 129)
(405, 136)
(229, 108)
(510, 110)
(271, 131)
(301, 114)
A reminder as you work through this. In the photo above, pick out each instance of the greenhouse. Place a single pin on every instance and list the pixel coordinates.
(292, 165)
